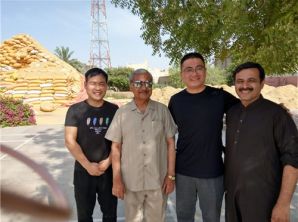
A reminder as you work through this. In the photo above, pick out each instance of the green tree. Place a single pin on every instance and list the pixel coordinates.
(119, 77)
(257, 30)
(175, 78)
(216, 76)
(65, 54)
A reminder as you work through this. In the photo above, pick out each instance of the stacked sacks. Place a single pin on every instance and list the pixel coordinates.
(31, 73)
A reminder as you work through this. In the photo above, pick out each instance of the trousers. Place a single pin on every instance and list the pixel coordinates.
(209, 192)
(87, 189)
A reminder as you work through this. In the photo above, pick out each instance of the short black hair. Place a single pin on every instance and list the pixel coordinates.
(94, 72)
(249, 65)
(192, 55)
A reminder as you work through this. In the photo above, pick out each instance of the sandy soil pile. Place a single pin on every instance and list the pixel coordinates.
(30, 72)
(287, 95)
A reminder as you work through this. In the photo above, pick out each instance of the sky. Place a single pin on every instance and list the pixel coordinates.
(68, 23)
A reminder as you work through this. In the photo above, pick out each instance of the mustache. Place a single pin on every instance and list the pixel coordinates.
(247, 88)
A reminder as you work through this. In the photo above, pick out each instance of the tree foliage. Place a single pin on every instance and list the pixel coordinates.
(65, 54)
(175, 78)
(119, 78)
(264, 31)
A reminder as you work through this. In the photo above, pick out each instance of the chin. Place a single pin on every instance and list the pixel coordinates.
(97, 99)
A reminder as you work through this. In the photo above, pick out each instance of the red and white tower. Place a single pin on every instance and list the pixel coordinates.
(99, 48)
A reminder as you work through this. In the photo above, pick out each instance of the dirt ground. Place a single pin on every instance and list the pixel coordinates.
(50, 118)
(57, 116)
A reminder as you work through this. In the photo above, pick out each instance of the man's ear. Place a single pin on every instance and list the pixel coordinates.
(262, 84)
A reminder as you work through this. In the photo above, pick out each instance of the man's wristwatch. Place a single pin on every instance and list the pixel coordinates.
(171, 177)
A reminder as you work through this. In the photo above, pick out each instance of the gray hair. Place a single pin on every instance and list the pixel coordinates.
(138, 72)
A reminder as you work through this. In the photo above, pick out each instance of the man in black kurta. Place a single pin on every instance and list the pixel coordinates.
(261, 157)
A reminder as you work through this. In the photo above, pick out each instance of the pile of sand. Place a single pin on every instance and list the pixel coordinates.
(30, 72)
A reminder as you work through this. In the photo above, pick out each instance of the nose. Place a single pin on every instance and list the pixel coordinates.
(245, 84)
(97, 86)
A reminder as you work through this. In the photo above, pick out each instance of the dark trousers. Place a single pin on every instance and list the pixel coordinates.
(87, 188)
(249, 205)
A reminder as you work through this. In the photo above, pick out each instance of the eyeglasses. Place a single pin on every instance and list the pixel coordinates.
(139, 84)
(192, 70)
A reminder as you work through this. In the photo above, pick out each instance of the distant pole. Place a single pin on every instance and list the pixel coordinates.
(99, 47)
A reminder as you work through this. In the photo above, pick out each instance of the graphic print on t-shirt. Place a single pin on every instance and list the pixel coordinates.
(97, 125)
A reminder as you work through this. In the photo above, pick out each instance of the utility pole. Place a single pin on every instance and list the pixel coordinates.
(99, 47)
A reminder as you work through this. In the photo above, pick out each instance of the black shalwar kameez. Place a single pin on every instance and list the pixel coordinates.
(260, 139)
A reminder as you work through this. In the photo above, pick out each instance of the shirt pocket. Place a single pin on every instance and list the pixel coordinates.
(157, 127)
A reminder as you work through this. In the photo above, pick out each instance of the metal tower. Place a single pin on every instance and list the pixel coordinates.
(99, 48)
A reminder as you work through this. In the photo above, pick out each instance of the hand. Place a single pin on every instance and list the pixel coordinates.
(118, 189)
(168, 185)
(280, 213)
(93, 169)
(104, 164)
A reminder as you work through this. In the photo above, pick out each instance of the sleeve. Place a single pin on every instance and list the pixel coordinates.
(170, 126)
(114, 132)
(229, 100)
(170, 106)
(71, 119)
(286, 138)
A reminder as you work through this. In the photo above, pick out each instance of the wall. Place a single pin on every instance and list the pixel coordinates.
(282, 80)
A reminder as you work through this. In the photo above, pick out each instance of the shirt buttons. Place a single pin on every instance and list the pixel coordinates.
(238, 131)
(144, 142)
(235, 142)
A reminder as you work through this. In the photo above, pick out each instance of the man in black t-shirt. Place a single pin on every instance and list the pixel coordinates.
(86, 124)
(198, 112)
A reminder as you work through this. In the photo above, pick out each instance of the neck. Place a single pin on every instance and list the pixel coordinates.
(95, 103)
(247, 103)
(196, 90)
(141, 104)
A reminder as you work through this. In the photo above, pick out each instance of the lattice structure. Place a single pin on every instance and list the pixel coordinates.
(99, 48)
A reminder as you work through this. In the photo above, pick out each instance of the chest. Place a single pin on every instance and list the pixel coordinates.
(199, 110)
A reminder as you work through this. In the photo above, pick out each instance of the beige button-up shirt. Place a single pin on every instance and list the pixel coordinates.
(143, 137)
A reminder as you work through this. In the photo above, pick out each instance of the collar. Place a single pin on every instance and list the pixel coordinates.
(254, 103)
(133, 107)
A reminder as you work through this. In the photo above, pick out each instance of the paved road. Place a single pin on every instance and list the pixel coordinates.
(45, 145)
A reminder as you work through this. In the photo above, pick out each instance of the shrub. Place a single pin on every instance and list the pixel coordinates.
(119, 82)
(118, 78)
(14, 113)
(175, 78)
(216, 76)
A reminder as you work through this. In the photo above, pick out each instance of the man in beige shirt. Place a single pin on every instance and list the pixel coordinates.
(143, 152)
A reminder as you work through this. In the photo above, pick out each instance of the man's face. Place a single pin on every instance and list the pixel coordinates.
(96, 88)
(141, 87)
(248, 85)
(193, 73)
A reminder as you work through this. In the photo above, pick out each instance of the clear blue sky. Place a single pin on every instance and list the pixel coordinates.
(68, 23)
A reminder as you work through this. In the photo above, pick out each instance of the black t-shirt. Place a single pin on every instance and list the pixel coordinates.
(199, 118)
(92, 123)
